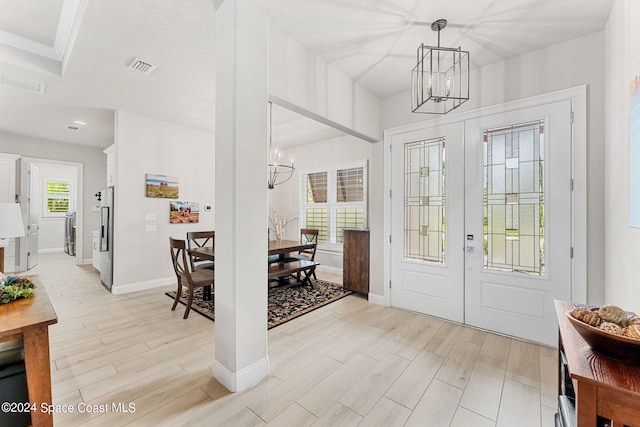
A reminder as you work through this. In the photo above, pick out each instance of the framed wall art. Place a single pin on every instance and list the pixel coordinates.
(181, 212)
(162, 186)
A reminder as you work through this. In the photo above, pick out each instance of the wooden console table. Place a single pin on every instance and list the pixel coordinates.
(30, 318)
(605, 388)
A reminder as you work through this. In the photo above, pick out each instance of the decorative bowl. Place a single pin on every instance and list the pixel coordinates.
(615, 346)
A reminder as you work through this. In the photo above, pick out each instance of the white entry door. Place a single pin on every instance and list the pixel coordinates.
(518, 220)
(427, 221)
(481, 220)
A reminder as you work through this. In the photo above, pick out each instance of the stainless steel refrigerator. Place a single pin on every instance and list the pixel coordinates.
(106, 238)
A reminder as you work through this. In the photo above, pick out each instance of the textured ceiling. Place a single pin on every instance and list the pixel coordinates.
(373, 41)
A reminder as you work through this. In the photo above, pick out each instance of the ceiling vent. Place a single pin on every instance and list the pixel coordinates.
(141, 66)
(22, 83)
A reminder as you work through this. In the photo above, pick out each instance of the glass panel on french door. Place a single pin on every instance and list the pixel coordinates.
(514, 198)
(424, 200)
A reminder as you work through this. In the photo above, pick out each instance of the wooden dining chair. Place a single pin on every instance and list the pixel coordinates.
(198, 239)
(308, 235)
(186, 277)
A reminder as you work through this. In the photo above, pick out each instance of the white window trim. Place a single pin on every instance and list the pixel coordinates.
(331, 203)
(45, 196)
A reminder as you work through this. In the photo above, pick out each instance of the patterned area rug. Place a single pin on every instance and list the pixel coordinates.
(284, 303)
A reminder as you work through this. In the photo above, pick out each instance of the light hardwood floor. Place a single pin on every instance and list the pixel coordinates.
(349, 363)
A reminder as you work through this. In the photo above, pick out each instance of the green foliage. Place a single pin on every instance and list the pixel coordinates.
(14, 287)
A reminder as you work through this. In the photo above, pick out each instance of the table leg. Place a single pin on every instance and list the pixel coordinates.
(38, 372)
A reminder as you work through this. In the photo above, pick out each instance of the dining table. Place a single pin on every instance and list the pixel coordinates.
(278, 252)
(279, 248)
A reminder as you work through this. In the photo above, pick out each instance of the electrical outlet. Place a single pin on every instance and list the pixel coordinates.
(207, 208)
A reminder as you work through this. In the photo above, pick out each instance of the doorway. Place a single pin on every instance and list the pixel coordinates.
(49, 189)
(481, 217)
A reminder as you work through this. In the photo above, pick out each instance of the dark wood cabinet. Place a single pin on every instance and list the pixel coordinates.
(594, 390)
(355, 261)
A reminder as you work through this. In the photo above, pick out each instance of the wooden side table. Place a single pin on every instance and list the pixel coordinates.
(30, 318)
(606, 390)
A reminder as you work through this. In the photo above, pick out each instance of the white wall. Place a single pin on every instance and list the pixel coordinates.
(51, 230)
(145, 145)
(573, 63)
(285, 197)
(94, 176)
(307, 81)
(622, 244)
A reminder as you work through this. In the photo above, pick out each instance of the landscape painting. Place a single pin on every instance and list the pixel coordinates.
(184, 212)
(634, 154)
(162, 186)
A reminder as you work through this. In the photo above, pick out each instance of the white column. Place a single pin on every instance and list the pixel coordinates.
(241, 195)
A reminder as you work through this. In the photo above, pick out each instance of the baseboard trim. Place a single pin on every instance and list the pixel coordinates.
(141, 286)
(244, 379)
(50, 250)
(376, 299)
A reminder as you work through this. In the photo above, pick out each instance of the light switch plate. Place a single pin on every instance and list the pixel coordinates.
(150, 217)
(150, 228)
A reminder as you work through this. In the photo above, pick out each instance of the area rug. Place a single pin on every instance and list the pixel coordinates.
(283, 305)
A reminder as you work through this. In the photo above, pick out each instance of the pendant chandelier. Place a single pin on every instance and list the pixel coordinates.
(440, 80)
(277, 172)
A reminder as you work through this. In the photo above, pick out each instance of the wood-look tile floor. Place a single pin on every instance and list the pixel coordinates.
(350, 363)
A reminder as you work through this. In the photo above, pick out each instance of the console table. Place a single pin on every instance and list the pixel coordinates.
(29, 319)
(605, 390)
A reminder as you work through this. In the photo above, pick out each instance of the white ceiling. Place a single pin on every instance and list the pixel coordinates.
(80, 50)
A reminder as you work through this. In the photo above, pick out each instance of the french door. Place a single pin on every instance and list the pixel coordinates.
(481, 220)
(427, 221)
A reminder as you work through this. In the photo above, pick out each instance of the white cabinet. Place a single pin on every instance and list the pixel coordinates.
(96, 249)
(111, 166)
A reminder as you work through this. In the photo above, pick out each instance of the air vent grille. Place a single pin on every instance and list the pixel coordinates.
(22, 83)
(141, 66)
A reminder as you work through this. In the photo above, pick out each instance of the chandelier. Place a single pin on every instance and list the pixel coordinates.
(440, 80)
(277, 172)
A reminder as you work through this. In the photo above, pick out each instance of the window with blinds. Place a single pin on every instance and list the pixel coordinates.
(334, 199)
(57, 197)
(317, 187)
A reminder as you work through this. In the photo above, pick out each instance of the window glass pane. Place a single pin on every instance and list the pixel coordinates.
(316, 218)
(58, 187)
(349, 185)
(514, 198)
(317, 187)
(424, 200)
(56, 205)
(347, 218)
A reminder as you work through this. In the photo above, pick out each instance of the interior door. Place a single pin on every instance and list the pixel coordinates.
(518, 220)
(427, 221)
(33, 202)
